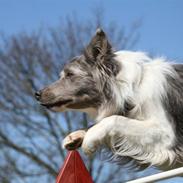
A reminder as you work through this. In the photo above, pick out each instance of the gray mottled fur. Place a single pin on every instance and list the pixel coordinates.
(88, 81)
(173, 105)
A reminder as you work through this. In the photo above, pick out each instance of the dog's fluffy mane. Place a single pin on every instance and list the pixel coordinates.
(136, 100)
(147, 89)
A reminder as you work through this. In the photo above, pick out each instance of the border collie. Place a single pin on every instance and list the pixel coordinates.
(135, 100)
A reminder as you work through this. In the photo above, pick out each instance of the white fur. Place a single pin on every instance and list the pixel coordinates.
(146, 134)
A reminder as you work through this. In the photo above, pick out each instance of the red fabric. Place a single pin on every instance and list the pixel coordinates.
(73, 170)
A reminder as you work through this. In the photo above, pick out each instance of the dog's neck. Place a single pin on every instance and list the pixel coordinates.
(98, 114)
(92, 112)
(127, 80)
(122, 86)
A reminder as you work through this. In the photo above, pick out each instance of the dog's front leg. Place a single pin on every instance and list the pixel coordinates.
(96, 136)
(148, 133)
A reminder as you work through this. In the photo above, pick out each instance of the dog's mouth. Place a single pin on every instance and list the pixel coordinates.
(57, 104)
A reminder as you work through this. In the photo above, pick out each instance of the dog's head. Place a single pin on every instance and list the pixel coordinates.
(84, 81)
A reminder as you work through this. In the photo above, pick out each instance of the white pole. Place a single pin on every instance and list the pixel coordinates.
(159, 176)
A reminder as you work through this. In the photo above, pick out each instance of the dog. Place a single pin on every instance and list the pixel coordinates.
(135, 100)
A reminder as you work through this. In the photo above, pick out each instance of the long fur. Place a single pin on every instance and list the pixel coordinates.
(136, 100)
(154, 89)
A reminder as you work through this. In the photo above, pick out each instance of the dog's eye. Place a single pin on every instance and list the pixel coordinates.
(69, 74)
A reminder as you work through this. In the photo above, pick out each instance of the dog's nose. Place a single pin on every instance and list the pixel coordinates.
(38, 95)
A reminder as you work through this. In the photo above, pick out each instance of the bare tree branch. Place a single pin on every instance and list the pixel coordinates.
(30, 136)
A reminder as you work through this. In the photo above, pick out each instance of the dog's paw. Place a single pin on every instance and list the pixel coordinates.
(89, 147)
(74, 140)
(92, 141)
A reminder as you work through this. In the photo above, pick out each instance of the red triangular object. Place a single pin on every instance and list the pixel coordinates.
(73, 170)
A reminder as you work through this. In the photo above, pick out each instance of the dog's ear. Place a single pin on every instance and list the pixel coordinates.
(99, 48)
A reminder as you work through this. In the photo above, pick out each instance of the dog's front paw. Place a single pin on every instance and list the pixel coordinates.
(89, 146)
(74, 140)
(92, 140)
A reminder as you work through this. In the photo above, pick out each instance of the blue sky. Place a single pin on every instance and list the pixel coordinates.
(161, 31)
